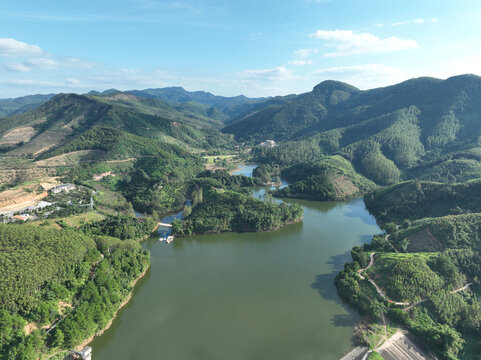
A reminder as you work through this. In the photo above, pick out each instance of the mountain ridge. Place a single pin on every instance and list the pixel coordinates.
(66, 116)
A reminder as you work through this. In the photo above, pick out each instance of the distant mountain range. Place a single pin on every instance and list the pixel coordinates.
(66, 118)
(333, 105)
(22, 104)
(424, 127)
(221, 106)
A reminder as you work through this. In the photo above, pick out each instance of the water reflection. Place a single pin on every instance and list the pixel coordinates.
(243, 296)
(358, 210)
(289, 232)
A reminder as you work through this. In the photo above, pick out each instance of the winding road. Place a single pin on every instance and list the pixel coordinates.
(399, 303)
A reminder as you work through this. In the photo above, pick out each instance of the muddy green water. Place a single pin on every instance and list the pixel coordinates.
(255, 296)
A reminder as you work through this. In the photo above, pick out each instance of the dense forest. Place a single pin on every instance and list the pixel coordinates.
(331, 178)
(55, 276)
(431, 259)
(226, 210)
(221, 202)
(419, 199)
(423, 128)
(121, 227)
(413, 149)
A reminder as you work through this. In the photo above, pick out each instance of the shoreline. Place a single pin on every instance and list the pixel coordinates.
(243, 232)
(122, 304)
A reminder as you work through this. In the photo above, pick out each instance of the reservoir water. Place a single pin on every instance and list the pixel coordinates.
(255, 296)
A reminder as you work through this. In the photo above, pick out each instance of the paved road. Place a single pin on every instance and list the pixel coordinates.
(390, 243)
(371, 262)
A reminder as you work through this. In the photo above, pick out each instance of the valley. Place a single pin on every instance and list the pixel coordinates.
(365, 200)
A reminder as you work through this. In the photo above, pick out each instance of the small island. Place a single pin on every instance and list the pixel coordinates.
(225, 205)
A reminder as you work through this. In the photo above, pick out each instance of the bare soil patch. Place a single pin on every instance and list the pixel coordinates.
(25, 196)
(29, 328)
(101, 176)
(17, 135)
(73, 158)
(423, 241)
(401, 347)
(344, 187)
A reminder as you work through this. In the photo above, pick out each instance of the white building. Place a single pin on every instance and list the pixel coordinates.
(269, 143)
(62, 187)
(42, 204)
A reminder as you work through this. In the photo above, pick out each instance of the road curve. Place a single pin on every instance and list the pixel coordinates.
(371, 262)
(399, 303)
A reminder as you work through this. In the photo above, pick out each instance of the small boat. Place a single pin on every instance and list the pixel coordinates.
(169, 239)
(163, 237)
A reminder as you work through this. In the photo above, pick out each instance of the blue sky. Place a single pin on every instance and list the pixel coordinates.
(256, 48)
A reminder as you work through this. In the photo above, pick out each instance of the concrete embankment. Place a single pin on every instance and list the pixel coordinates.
(356, 354)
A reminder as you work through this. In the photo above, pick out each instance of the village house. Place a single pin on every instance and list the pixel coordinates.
(268, 143)
(21, 217)
(62, 187)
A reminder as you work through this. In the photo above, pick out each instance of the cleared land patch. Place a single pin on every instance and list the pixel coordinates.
(422, 241)
(25, 195)
(73, 158)
(17, 135)
(344, 187)
(401, 347)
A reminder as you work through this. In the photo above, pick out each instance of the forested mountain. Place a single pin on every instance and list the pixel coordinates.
(419, 199)
(66, 117)
(226, 109)
(425, 127)
(22, 104)
(177, 95)
(430, 259)
(50, 275)
(239, 111)
(335, 105)
(332, 178)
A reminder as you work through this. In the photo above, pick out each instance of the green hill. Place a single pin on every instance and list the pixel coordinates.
(421, 199)
(67, 116)
(200, 110)
(422, 128)
(176, 95)
(50, 275)
(22, 104)
(332, 178)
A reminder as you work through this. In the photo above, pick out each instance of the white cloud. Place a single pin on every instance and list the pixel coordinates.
(12, 47)
(364, 76)
(183, 6)
(278, 73)
(300, 62)
(303, 53)
(18, 67)
(401, 23)
(29, 82)
(42, 63)
(348, 42)
(72, 81)
(415, 21)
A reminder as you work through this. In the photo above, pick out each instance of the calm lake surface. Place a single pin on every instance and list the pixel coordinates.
(253, 296)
